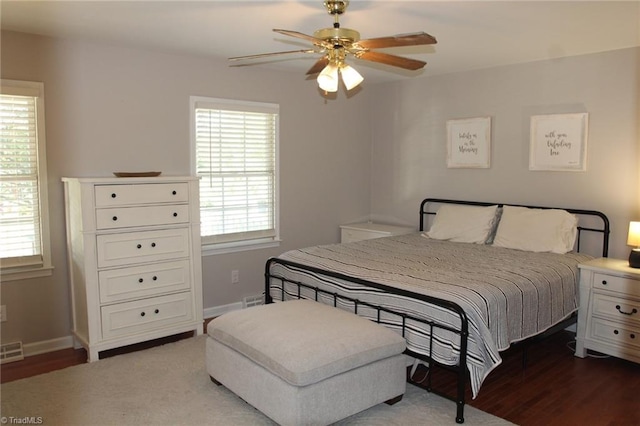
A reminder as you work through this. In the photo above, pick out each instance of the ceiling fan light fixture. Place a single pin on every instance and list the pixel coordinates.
(350, 76)
(337, 43)
(328, 78)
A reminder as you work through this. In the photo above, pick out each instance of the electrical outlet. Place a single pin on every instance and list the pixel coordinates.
(3, 313)
(235, 276)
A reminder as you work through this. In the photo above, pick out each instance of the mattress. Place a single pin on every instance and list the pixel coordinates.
(508, 295)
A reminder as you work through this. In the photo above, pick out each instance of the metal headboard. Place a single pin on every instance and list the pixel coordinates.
(604, 229)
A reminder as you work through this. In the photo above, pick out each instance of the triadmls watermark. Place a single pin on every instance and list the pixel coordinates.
(25, 420)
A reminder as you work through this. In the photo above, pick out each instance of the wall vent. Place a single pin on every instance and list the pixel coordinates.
(10, 352)
(250, 301)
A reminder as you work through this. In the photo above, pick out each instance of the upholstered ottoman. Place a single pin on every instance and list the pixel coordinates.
(305, 363)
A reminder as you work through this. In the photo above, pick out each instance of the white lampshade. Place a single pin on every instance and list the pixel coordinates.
(634, 234)
(328, 78)
(350, 77)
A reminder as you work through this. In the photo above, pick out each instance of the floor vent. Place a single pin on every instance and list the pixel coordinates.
(250, 301)
(10, 352)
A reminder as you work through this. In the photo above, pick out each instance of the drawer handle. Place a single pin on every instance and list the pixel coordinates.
(633, 311)
(153, 244)
(139, 246)
(115, 218)
(604, 282)
(113, 195)
(155, 278)
(175, 214)
(140, 280)
(142, 314)
(174, 192)
(631, 335)
(157, 311)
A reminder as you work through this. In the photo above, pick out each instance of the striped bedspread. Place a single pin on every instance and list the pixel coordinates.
(507, 295)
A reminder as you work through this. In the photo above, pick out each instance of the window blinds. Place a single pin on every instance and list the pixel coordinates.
(20, 233)
(235, 158)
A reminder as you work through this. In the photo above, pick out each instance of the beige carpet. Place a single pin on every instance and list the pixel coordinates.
(168, 385)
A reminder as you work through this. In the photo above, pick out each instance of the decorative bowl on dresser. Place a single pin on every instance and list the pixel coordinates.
(609, 314)
(134, 259)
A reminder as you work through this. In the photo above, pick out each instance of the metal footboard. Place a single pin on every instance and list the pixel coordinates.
(275, 288)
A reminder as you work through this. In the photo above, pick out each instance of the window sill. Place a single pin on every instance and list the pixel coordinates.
(222, 248)
(16, 274)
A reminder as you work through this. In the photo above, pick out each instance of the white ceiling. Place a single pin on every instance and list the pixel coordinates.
(470, 34)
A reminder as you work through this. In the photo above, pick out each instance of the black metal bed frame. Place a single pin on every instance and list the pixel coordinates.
(460, 369)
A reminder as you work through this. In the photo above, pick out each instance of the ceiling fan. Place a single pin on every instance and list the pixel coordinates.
(336, 44)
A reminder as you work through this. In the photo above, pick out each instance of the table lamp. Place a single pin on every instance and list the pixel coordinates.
(634, 241)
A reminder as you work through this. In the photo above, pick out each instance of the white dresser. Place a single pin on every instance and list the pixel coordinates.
(609, 315)
(369, 230)
(134, 259)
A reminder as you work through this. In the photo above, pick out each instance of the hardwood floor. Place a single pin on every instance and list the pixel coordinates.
(555, 388)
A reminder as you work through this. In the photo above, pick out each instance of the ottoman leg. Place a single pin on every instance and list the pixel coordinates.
(394, 400)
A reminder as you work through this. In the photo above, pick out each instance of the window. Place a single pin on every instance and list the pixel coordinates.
(24, 223)
(234, 152)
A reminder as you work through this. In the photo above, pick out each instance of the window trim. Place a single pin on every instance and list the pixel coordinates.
(209, 248)
(44, 269)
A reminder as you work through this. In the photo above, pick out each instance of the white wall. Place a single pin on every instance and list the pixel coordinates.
(380, 152)
(111, 108)
(409, 138)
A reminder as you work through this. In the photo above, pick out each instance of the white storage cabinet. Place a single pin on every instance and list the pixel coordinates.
(134, 259)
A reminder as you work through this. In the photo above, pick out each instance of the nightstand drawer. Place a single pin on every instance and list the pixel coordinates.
(352, 235)
(123, 195)
(124, 217)
(370, 230)
(137, 247)
(616, 308)
(624, 285)
(147, 314)
(612, 332)
(144, 281)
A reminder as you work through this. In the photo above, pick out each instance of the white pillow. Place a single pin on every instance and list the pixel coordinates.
(536, 230)
(463, 224)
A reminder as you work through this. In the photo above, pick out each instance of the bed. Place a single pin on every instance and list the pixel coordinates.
(475, 278)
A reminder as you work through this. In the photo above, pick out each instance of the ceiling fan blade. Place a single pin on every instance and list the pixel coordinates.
(414, 39)
(318, 66)
(393, 60)
(296, 34)
(262, 55)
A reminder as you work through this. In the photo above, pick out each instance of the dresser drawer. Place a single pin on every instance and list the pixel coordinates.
(616, 333)
(138, 247)
(144, 315)
(147, 193)
(627, 286)
(123, 217)
(616, 308)
(143, 281)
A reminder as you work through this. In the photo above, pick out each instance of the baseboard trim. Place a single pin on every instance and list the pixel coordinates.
(216, 311)
(45, 346)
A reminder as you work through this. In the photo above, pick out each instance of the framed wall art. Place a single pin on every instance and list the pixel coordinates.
(469, 143)
(558, 142)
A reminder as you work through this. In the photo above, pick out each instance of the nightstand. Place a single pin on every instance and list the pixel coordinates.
(609, 314)
(369, 230)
